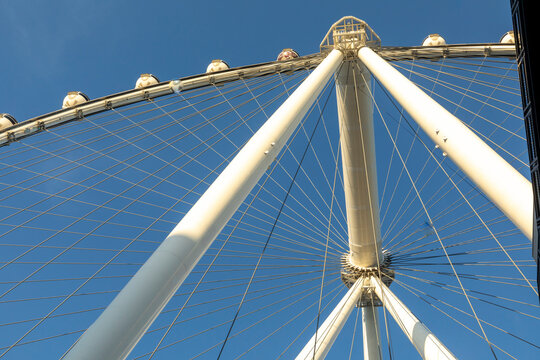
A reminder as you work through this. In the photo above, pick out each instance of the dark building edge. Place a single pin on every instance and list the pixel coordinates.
(525, 25)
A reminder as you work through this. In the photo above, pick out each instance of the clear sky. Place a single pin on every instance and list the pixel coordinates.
(101, 47)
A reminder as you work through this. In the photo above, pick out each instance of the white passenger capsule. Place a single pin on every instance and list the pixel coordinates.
(74, 98)
(508, 38)
(146, 80)
(6, 121)
(434, 40)
(217, 65)
(287, 54)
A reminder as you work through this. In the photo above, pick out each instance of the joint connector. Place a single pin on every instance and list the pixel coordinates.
(176, 85)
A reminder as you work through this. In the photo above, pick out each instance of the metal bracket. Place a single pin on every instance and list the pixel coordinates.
(349, 34)
(369, 298)
(176, 85)
(40, 125)
(446, 52)
(10, 137)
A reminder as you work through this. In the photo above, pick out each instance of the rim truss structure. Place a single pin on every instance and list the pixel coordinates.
(352, 56)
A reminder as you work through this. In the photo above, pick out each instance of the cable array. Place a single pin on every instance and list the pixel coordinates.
(83, 205)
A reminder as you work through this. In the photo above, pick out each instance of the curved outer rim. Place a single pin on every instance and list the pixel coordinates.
(128, 97)
(396, 53)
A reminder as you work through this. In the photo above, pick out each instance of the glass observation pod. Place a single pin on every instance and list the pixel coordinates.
(434, 40)
(508, 38)
(146, 80)
(74, 98)
(217, 65)
(6, 121)
(287, 54)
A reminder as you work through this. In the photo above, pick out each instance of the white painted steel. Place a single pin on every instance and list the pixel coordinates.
(35, 125)
(504, 185)
(370, 333)
(355, 112)
(397, 53)
(425, 342)
(122, 324)
(322, 341)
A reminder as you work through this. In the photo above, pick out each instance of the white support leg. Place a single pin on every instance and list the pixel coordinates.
(355, 112)
(504, 185)
(370, 333)
(330, 328)
(122, 324)
(429, 347)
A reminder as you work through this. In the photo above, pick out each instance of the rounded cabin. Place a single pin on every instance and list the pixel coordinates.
(508, 38)
(6, 121)
(146, 80)
(217, 65)
(74, 98)
(287, 54)
(434, 40)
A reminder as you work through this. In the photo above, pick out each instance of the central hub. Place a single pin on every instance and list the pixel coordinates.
(350, 273)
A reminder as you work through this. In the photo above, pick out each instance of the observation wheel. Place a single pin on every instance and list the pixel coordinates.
(343, 204)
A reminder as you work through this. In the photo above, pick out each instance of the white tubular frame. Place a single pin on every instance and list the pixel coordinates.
(447, 51)
(355, 112)
(370, 333)
(35, 125)
(356, 134)
(503, 185)
(427, 345)
(118, 329)
(114, 101)
(330, 328)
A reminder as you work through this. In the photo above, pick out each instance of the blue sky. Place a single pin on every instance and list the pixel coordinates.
(101, 47)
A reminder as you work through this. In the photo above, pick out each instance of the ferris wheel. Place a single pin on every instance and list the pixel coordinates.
(364, 201)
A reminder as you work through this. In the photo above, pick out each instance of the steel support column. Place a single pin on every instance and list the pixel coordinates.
(370, 333)
(510, 191)
(429, 347)
(122, 324)
(370, 327)
(322, 341)
(355, 112)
